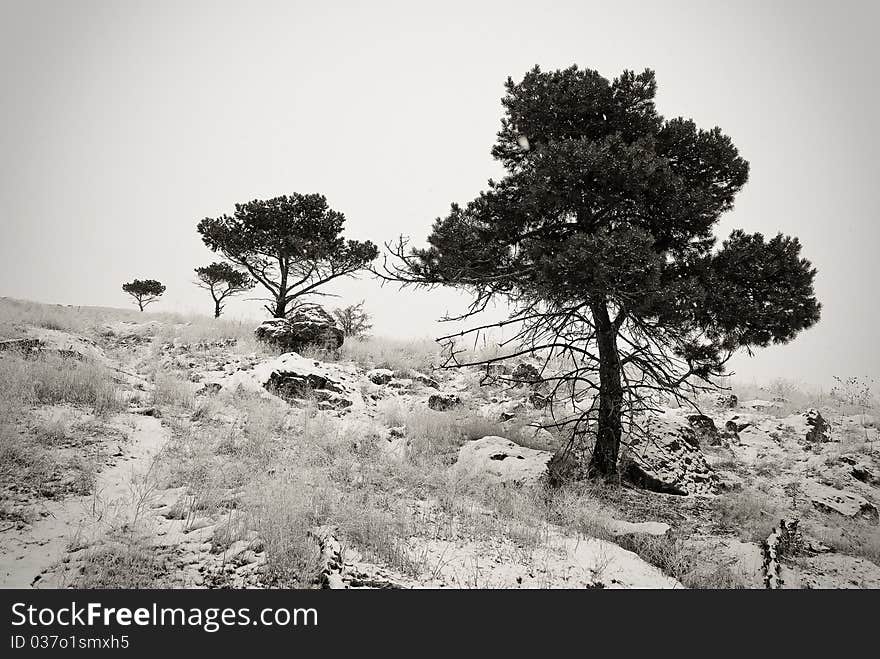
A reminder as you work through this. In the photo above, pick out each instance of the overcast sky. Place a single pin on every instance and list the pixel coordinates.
(124, 123)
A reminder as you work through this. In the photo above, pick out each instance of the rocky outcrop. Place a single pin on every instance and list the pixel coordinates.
(525, 373)
(728, 401)
(295, 378)
(831, 500)
(500, 460)
(704, 429)
(21, 345)
(810, 425)
(380, 376)
(443, 401)
(667, 459)
(860, 469)
(308, 325)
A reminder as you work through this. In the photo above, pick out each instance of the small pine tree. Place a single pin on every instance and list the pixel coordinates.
(222, 280)
(144, 291)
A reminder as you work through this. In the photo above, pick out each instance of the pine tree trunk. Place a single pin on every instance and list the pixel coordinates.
(216, 308)
(280, 299)
(609, 427)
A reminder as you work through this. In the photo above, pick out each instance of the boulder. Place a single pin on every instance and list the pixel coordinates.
(21, 345)
(380, 375)
(832, 500)
(728, 401)
(620, 527)
(502, 461)
(525, 373)
(667, 459)
(704, 429)
(865, 473)
(295, 378)
(443, 401)
(425, 380)
(810, 425)
(308, 325)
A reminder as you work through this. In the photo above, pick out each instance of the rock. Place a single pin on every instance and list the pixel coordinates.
(502, 461)
(848, 504)
(729, 401)
(21, 345)
(668, 460)
(209, 388)
(810, 425)
(443, 401)
(294, 378)
(538, 401)
(863, 472)
(704, 429)
(621, 527)
(426, 380)
(380, 375)
(734, 425)
(762, 406)
(308, 325)
(146, 411)
(525, 373)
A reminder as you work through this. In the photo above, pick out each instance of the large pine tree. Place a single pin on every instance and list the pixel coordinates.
(600, 237)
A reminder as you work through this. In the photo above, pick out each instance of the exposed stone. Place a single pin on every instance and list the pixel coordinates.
(863, 472)
(704, 429)
(426, 380)
(668, 460)
(380, 375)
(295, 378)
(308, 325)
(538, 401)
(621, 527)
(729, 401)
(525, 373)
(21, 345)
(501, 460)
(443, 401)
(811, 425)
(848, 504)
(209, 388)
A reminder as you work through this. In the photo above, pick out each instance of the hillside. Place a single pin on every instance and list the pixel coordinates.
(143, 450)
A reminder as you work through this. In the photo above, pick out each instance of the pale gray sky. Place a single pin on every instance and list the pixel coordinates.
(124, 123)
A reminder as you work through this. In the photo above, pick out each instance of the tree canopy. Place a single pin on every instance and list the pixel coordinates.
(144, 291)
(600, 237)
(222, 280)
(291, 245)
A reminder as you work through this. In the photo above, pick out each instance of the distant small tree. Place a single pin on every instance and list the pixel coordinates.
(222, 280)
(354, 321)
(144, 291)
(291, 245)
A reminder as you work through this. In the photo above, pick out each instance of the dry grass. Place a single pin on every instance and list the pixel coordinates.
(51, 379)
(751, 514)
(119, 563)
(172, 390)
(854, 538)
(421, 355)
